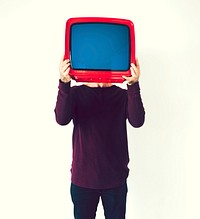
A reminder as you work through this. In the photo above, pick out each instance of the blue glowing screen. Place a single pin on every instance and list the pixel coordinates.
(100, 46)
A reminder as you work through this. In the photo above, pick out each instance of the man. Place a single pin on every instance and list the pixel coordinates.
(100, 150)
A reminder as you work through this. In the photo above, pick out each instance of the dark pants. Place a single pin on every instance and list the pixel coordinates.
(86, 202)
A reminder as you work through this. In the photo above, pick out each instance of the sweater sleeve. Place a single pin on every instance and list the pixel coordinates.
(64, 106)
(135, 109)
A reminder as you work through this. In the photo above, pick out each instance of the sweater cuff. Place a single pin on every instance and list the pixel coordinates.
(64, 86)
(134, 88)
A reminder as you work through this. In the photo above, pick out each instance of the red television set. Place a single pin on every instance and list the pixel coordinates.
(100, 49)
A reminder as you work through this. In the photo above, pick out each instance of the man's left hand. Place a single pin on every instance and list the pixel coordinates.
(135, 73)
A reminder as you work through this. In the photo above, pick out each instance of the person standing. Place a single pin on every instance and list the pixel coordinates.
(99, 112)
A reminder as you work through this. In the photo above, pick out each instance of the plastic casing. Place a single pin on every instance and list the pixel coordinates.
(99, 76)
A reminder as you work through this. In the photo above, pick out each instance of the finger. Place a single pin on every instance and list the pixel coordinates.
(137, 62)
(136, 70)
(67, 60)
(128, 79)
(138, 65)
(134, 66)
(66, 73)
(64, 62)
(63, 58)
(124, 77)
(65, 67)
(133, 70)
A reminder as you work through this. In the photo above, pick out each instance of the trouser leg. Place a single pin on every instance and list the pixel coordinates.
(114, 202)
(85, 202)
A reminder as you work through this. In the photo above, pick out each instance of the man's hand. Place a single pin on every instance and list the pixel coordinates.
(64, 69)
(135, 73)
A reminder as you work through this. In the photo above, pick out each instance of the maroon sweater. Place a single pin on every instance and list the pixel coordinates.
(100, 148)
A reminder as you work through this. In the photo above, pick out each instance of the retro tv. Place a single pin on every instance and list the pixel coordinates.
(100, 49)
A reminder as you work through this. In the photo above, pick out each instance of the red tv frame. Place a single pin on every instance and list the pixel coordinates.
(99, 75)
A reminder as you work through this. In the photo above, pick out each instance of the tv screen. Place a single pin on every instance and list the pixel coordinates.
(100, 49)
(100, 46)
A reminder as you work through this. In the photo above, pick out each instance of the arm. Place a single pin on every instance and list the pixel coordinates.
(135, 109)
(64, 106)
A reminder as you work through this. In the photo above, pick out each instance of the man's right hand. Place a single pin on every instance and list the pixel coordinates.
(64, 69)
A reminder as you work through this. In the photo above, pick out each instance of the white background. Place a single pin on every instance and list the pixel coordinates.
(35, 152)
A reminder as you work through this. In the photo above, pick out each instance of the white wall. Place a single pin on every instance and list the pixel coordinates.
(35, 153)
